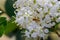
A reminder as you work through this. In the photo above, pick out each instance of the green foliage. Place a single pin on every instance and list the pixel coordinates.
(3, 23)
(10, 27)
(9, 7)
(1, 30)
(7, 26)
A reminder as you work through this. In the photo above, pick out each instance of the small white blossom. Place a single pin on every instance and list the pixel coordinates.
(27, 34)
(46, 30)
(58, 20)
(34, 35)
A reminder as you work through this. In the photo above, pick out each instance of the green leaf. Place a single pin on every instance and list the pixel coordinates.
(7, 26)
(1, 30)
(3, 21)
(10, 27)
(9, 7)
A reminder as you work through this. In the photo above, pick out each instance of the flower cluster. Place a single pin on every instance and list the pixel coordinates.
(36, 16)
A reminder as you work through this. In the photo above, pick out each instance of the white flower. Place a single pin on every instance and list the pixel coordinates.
(58, 20)
(27, 34)
(20, 20)
(34, 35)
(47, 19)
(37, 16)
(46, 30)
(42, 35)
(45, 10)
(53, 23)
